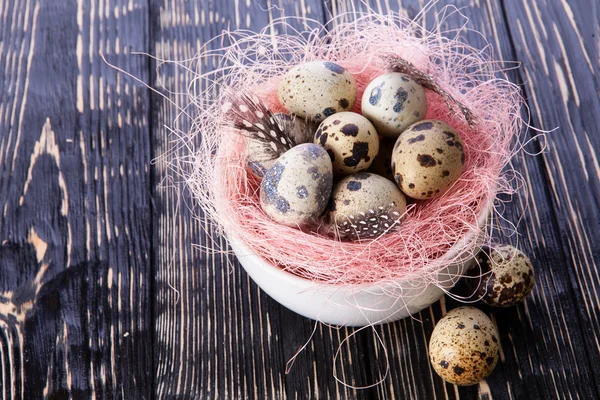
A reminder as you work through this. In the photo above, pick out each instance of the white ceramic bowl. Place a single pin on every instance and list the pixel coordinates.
(356, 305)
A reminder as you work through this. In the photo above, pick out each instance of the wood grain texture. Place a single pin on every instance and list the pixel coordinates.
(529, 333)
(218, 335)
(545, 342)
(75, 226)
(106, 291)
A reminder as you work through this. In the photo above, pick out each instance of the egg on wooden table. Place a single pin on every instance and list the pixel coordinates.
(464, 346)
(502, 277)
(297, 188)
(365, 205)
(392, 102)
(351, 141)
(427, 159)
(317, 89)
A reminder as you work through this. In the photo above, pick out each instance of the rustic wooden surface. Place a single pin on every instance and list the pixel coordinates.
(103, 294)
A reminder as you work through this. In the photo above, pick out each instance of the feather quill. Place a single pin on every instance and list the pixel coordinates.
(270, 135)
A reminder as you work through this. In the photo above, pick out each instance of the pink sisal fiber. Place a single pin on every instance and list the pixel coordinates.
(216, 174)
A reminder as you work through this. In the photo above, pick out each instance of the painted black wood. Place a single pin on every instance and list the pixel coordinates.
(530, 333)
(217, 333)
(75, 250)
(101, 297)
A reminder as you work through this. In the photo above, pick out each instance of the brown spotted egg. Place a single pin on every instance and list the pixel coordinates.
(382, 163)
(365, 205)
(297, 188)
(427, 159)
(317, 90)
(351, 141)
(464, 346)
(502, 277)
(392, 102)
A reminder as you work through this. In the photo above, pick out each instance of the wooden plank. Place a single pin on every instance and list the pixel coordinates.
(560, 72)
(217, 334)
(74, 183)
(550, 344)
(543, 341)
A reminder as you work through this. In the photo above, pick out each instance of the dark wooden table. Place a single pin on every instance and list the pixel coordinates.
(102, 294)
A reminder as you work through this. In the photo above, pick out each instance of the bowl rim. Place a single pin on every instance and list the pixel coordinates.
(292, 278)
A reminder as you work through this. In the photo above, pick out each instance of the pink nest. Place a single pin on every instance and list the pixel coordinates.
(253, 63)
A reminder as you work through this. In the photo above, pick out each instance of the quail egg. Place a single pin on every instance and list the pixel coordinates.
(351, 141)
(317, 90)
(464, 346)
(392, 102)
(297, 188)
(427, 159)
(503, 277)
(365, 205)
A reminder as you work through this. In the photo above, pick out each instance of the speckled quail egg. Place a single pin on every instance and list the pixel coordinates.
(365, 205)
(464, 346)
(317, 89)
(351, 141)
(382, 163)
(427, 159)
(502, 277)
(392, 102)
(297, 188)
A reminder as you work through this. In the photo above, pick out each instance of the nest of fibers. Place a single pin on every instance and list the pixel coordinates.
(472, 96)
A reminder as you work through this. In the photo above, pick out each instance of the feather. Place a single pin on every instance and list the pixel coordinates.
(368, 225)
(253, 119)
(298, 129)
(270, 134)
